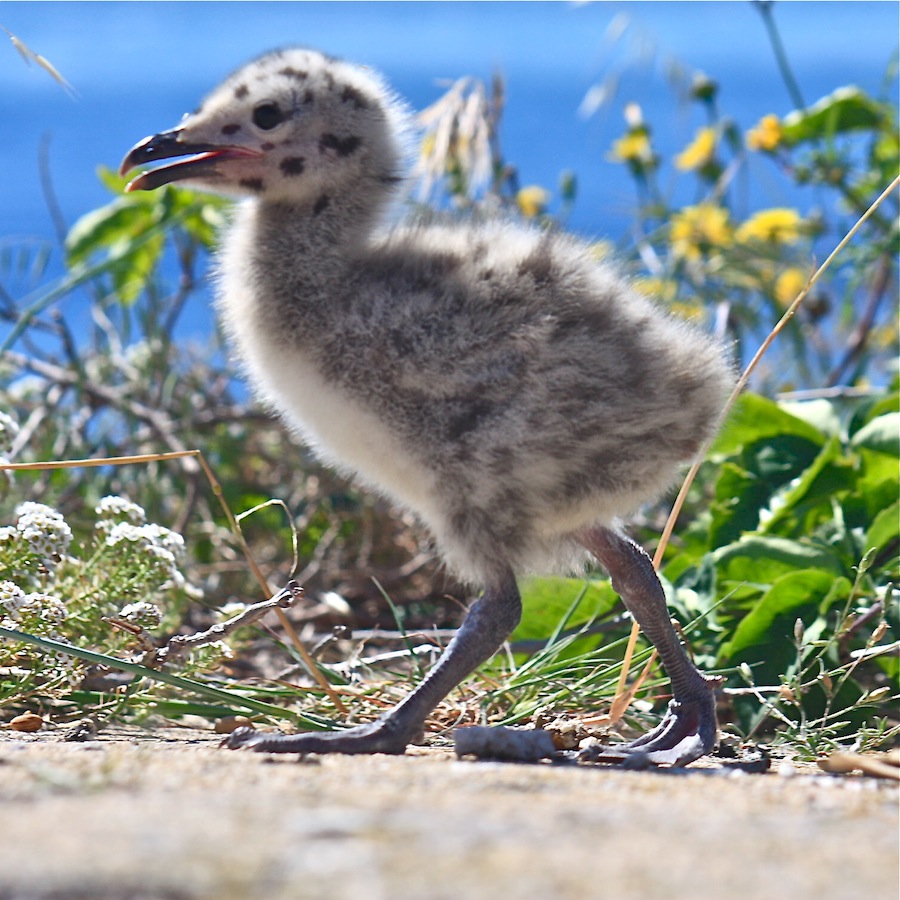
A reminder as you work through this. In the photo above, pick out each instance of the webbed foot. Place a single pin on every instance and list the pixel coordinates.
(489, 622)
(687, 732)
(374, 737)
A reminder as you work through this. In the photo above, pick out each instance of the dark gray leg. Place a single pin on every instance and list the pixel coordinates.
(689, 729)
(488, 624)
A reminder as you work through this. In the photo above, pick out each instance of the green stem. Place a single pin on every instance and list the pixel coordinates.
(765, 10)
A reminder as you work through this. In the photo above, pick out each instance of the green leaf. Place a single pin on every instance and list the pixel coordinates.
(885, 528)
(754, 418)
(746, 487)
(810, 501)
(739, 497)
(760, 559)
(766, 633)
(847, 109)
(548, 601)
(870, 408)
(876, 487)
(821, 414)
(131, 277)
(112, 180)
(881, 434)
(102, 228)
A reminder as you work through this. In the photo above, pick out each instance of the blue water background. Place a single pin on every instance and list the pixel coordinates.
(136, 67)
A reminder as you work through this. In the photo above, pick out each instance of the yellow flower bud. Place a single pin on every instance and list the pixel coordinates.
(698, 229)
(699, 152)
(788, 285)
(779, 226)
(532, 200)
(766, 135)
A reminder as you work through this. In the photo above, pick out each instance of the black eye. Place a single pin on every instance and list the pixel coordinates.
(267, 116)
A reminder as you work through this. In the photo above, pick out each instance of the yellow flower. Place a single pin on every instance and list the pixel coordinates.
(766, 135)
(788, 285)
(602, 249)
(532, 200)
(634, 147)
(778, 226)
(697, 229)
(426, 150)
(664, 289)
(699, 152)
(690, 310)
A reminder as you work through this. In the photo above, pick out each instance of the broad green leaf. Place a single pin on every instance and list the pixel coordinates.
(206, 222)
(755, 483)
(810, 500)
(873, 407)
(754, 418)
(101, 228)
(112, 180)
(875, 489)
(546, 601)
(885, 528)
(738, 499)
(780, 458)
(760, 559)
(131, 277)
(881, 434)
(768, 629)
(847, 109)
(821, 414)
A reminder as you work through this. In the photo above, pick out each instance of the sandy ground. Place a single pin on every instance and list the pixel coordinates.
(134, 815)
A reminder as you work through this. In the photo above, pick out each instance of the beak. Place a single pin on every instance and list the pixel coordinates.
(200, 162)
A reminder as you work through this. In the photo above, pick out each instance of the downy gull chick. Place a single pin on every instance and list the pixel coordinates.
(497, 380)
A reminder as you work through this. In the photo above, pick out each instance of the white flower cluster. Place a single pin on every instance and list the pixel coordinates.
(164, 547)
(9, 429)
(210, 656)
(11, 598)
(147, 615)
(35, 607)
(112, 510)
(43, 530)
(45, 607)
(125, 525)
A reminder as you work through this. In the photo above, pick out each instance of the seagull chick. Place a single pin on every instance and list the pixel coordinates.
(497, 380)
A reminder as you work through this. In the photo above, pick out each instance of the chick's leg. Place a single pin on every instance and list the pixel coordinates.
(489, 622)
(689, 729)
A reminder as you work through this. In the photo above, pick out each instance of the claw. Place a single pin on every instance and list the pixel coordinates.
(242, 737)
(687, 732)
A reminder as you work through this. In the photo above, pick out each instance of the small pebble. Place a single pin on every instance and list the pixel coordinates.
(27, 722)
(228, 724)
(513, 744)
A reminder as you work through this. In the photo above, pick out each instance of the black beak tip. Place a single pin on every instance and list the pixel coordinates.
(136, 155)
(154, 147)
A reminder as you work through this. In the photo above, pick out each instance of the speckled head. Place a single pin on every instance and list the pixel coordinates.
(285, 127)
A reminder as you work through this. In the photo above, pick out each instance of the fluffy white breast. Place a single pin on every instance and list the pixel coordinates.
(338, 429)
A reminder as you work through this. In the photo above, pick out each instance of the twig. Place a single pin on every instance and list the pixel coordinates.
(181, 643)
(158, 420)
(864, 327)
